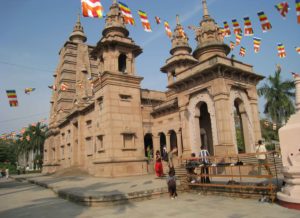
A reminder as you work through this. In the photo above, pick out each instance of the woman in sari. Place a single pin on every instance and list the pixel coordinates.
(158, 165)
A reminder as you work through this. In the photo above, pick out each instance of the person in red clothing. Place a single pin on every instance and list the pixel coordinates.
(158, 165)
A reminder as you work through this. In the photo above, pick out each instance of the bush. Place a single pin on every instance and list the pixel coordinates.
(12, 168)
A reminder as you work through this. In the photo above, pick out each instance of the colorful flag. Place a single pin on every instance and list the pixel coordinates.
(52, 87)
(248, 27)
(283, 8)
(92, 8)
(256, 42)
(231, 45)
(126, 12)
(265, 24)
(297, 50)
(181, 32)
(295, 75)
(157, 19)
(222, 32)
(236, 27)
(242, 51)
(168, 30)
(145, 21)
(12, 97)
(227, 29)
(28, 90)
(64, 87)
(281, 50)
(298, 10)
(238, 38)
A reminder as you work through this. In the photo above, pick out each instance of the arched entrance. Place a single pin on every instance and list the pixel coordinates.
(162, 144)
(148, 142)
(173, 140)
(205, 126)
(240, 121)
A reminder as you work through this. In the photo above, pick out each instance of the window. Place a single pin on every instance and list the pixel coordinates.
(99, 147)
(62, 152)
(89, 146)
(128, 140)
(69, 150)
(89, 123)
(100, 102)
(122, 63)
(53, 153)
(125, 97)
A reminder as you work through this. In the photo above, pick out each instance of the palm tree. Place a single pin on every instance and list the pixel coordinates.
(279, 97)
(33, 141)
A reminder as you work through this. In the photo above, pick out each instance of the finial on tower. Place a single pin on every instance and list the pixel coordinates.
(205, 9)
(115, 1)
(177, 19)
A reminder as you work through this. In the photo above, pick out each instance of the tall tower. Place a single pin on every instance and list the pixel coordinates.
(209, 38)
(118, 97)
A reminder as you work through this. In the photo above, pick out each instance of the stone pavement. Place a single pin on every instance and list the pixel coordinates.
(92, 191)
(22, 200)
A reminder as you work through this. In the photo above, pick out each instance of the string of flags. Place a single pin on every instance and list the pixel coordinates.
(283, 8)
(168, 30)
(126, 12)
(248, 27)
(145, 21)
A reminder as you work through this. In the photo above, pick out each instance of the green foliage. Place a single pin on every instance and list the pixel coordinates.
(11, 167)
(279, 97)
(7, 151)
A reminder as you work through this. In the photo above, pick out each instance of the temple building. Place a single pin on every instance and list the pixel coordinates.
(102, 120)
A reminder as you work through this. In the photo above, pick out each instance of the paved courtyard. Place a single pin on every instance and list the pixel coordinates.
(21, 199)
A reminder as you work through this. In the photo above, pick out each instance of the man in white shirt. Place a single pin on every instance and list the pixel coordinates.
(204, 158)
(261, 157)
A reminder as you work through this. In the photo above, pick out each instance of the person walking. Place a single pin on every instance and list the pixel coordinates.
(170, 157)
(171, 181)
(158, 164)
(261, 157)
(6, 173)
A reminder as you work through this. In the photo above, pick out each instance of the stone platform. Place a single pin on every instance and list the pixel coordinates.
(93, 191)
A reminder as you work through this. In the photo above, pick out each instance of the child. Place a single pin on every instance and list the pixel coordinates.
(171, 181)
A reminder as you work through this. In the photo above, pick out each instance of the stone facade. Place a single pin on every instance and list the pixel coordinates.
(104, 120)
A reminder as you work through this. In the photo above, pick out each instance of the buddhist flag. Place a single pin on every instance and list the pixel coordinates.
(265, 24)
(231, 45)
(168, 30)
(242, 52)
(297, 50)
(298, 10)
(157, 19)
(236, 27)
(222, 32)
(283, 8)
(238, 38)
(12, 97)
(28, 90)
(281, 50)
(295, 75)
(145, 21)
(256, 42)
(227, 31)
(52, 87)
(92, 8)
(248, 30)
(64, 87)
(126, 12)
(181, 32)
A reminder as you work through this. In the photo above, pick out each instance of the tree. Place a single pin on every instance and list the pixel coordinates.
(279, 97)
(32, 140)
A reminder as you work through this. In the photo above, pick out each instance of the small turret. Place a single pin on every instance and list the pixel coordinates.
(209, 38)
(78, 34)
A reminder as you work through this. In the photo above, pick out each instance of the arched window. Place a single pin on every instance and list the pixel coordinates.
(122, 63)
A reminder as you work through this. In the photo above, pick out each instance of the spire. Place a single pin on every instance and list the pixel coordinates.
(209, 38)
(205, 9)
(114, 22)
(180, 40)
(78, 34)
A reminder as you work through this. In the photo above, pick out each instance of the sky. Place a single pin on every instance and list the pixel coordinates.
(33, 32)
